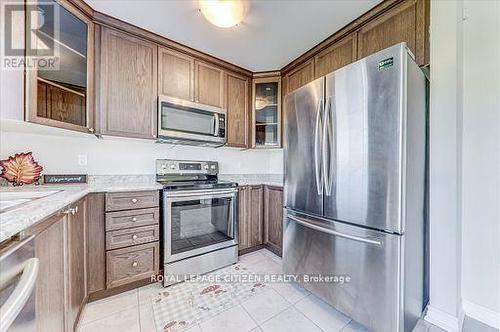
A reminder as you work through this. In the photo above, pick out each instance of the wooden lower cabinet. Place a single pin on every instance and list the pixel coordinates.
(250, 222)
(61, 287)
(77, 261)
(260, 218)
(96, 243)
(50, 295)
(273, 218)
(130, 264)
(132, 232)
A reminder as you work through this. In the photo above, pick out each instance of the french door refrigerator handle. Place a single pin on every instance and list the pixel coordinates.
(317, 166)
(306, 223)
(327, 137)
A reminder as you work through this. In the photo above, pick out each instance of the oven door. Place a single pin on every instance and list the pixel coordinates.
(184, 120)
(198, 222)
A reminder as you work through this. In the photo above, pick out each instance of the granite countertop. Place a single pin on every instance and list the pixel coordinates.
(254, 179)
(18, 219)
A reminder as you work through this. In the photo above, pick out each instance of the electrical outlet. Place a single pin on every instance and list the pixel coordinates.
(82, 160)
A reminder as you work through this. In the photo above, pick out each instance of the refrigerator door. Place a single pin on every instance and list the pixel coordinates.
(303, 148)
(371, 260)
(364, 141)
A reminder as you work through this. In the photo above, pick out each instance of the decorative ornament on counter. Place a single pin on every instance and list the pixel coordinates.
(21, 169)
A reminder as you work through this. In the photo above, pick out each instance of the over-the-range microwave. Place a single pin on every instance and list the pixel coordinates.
(185, 122)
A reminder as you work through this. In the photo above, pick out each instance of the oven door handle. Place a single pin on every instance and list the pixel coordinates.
(199, 193)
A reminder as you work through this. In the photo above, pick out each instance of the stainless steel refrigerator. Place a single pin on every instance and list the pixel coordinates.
(355, 155)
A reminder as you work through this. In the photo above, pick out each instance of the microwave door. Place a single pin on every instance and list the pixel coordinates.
(187, 121)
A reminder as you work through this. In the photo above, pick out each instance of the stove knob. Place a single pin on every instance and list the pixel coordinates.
(212, 167)
(172, 166)
(205, 167)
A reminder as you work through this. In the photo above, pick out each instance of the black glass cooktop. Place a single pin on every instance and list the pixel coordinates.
(196, 184)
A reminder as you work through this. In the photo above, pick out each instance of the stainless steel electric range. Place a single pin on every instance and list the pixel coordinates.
(200, 232)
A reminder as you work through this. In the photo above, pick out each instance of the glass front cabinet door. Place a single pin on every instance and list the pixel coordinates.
(266, 112)
(60, 76)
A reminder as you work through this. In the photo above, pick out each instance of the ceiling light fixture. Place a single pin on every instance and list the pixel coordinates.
(223, 13)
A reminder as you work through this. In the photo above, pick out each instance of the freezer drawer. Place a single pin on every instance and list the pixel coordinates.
(371, 259)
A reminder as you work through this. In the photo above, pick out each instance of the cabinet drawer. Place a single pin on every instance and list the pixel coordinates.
(131, 264)
(131, 218)
(131, 236)
(131, 200)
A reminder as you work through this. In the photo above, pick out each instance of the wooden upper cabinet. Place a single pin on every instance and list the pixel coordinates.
(336, 56)
(209, 84)
(404, 23)
(128, 91)
(237, 103)
(175, 74)
(300, 76)
(63, 95)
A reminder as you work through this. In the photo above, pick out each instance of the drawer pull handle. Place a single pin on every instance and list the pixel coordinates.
(134, 237)
(134, 264)
(134, 200)
(134, 218)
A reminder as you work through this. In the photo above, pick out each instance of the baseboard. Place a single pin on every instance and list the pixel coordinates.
(443, 319)
(482, 314)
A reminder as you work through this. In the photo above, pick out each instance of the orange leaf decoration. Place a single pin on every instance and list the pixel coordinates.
(21, 169)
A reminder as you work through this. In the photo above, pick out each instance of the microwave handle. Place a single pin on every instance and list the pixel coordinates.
(216, 125)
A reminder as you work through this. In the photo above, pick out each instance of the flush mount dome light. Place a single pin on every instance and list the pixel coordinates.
(223, 13)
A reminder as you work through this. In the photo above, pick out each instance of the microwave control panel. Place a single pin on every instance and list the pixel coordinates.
(222, 126)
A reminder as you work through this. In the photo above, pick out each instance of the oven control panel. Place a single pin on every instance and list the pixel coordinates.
(168, 166)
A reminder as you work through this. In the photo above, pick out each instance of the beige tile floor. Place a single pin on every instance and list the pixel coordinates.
(282, 307)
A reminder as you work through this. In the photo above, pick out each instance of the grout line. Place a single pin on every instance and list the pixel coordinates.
(85, 320)
(283, 310)
(139, 311)
(310, 294)
(314, 323)
(251, 317)
(348, 323)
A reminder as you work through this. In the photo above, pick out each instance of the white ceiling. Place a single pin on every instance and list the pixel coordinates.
(273, 32)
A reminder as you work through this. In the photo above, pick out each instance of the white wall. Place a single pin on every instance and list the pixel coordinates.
(58, 151)
(465, 163)
(481, 161)
(445, 146)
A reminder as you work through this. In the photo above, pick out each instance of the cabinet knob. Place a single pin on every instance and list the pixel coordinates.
(134, 200)
(76, 209)
(134, 218)
(134, 237)
(134, 264)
